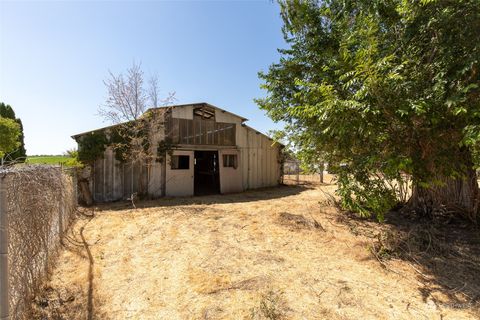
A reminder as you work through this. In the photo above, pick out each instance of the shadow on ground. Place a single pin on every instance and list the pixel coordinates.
(443, 252)
(73, 302)
(247, 196)
(448, 254)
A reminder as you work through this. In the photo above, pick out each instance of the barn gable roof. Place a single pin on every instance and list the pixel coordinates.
(75, 136)
(243, 119)
(199, 104)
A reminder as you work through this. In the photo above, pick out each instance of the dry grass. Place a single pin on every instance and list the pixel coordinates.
(280, 253)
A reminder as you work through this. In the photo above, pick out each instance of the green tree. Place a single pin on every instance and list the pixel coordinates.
(9, 133)
(20, 154)
(91, 147)
(386, 90)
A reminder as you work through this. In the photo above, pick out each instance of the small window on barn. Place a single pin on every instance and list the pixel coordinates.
(180, 162)
(230, 161)
(205, 113)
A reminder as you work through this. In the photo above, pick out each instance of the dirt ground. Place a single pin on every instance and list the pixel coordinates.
(277, 253)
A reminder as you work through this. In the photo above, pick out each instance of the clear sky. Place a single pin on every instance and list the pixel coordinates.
(54, 57)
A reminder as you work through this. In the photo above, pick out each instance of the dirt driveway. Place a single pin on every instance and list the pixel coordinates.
(280, 253)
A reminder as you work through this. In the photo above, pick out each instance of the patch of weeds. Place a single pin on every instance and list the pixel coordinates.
(50, 303)
(272, 306)
(387, 245)
(297, 221)
(422, 240)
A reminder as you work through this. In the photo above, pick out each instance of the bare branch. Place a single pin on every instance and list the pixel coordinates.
(153, 91)
(126, 98)
(126, 104)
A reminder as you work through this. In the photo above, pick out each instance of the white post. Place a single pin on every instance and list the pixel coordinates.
(4, 290)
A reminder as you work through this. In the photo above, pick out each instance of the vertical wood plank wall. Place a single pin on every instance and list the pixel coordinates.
(259, 156)
(114, 180)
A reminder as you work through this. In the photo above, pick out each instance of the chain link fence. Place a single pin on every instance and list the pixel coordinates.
(37, 204)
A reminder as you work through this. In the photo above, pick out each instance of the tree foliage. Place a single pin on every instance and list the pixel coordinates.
(9, 133)
(18, 154)
(131, 141)
(312, 159)
(91, 146)
(73, 158)
(384, 89)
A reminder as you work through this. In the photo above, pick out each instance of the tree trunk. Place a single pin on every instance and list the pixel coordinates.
(85, 194)
(322, 168)
(85, 177)
(458, 195)
(141, 183)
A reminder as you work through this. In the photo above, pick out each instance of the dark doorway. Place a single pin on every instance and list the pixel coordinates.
(206, 174)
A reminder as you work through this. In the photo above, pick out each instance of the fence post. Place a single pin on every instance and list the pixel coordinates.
(297, 169)
(4, 289)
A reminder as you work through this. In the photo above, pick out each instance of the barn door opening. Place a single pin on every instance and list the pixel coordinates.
(206, 173)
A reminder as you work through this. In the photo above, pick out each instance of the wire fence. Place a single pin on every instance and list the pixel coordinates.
(37, 204)
(294, 175)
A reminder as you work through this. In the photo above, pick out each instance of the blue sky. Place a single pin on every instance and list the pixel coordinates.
(54, 57)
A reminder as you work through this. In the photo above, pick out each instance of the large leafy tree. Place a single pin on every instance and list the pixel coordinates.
(18, 154)
(9, 133)
(386, 90)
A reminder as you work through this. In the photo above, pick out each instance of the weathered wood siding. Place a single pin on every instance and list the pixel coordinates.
(257, 155)
(115, 180)
(230, 177)
(185, 112)
(260, 159)
(201, 132)
(180, 182)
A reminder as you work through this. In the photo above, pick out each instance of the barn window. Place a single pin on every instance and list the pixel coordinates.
(205, 113)
(230, 161)
(180, 162)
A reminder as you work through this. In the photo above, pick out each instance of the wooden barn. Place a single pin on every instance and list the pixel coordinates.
(212, 151)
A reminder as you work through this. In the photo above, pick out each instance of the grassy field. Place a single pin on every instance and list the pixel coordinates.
(47, 159)
(278, 253)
